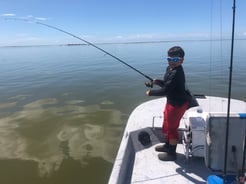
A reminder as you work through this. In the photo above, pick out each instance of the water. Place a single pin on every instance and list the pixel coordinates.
(63, 109)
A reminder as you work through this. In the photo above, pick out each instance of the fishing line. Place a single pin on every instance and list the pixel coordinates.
(93, 45)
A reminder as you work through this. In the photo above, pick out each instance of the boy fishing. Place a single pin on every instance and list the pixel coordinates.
(173, 87)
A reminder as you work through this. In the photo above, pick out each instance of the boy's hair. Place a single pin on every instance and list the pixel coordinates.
(176, 51)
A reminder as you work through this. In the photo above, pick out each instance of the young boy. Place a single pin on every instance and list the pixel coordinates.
(173, 87)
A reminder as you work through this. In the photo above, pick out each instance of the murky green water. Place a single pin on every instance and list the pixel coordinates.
(63, 109)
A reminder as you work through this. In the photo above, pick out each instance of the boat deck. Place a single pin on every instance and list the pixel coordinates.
(136, 163)
(147, 168)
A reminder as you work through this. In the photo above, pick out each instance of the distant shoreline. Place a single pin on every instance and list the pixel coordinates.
(110, 43)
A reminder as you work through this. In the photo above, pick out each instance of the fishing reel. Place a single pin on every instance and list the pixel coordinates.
(149, 84)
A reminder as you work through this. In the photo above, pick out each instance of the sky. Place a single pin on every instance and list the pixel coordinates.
(101, 21)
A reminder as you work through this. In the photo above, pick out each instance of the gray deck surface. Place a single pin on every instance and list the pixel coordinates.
(149, 169)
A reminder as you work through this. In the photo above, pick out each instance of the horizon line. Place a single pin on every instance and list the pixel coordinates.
(130, 42)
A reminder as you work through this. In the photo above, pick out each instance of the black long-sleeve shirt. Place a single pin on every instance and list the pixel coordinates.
(172, 86)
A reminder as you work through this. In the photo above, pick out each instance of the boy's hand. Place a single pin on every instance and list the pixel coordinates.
(155, 81)
(147, 92)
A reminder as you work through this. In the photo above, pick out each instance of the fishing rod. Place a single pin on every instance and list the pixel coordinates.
(93, 45)
(229, 92)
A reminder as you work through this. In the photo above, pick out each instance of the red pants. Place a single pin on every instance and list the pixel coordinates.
(172, 117)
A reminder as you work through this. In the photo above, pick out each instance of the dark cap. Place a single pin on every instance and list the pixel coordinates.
(176, 51)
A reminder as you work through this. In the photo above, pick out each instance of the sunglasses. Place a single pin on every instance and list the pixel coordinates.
(173, 59)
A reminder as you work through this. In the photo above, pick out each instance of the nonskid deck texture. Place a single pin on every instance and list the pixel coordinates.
(136, 163)
(147, 168)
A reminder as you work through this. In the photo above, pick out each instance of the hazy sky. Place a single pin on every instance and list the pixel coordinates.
(118, 20)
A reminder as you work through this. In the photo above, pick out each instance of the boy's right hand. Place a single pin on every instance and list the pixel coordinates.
(154, 81)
